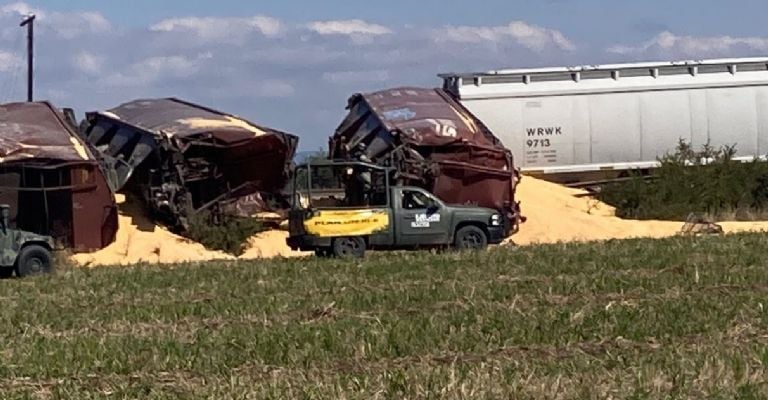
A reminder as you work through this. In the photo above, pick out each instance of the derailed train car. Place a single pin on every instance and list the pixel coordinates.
(52, 181)
(433, 142)
(182, 158)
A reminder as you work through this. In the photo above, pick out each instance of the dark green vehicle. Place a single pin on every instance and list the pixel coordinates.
(343, 208)
(22, 252)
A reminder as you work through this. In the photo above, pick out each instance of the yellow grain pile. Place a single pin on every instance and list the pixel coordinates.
(226, 123)
(557, 214)
(139, 240)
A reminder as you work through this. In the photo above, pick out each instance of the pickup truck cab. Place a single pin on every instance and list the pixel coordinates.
(387, 217)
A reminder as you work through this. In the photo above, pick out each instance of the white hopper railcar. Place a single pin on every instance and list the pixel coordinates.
(574, 124)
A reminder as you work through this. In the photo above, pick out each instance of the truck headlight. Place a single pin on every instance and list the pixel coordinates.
(495, 220)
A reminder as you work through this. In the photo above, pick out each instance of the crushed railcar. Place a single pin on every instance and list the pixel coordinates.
(181, 157)
(431, 141)
(52, 180)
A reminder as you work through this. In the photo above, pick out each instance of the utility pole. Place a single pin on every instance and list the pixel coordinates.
(29, 22)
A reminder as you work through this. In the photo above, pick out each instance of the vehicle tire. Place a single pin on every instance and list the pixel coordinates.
(470, 238)
(349, 247)
(34, 260)
(323, 252)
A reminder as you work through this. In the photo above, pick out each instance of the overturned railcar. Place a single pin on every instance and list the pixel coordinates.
(51, 179)
(182, 157)
(431, 141)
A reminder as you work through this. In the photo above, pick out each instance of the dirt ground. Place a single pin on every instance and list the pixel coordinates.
(555, 214)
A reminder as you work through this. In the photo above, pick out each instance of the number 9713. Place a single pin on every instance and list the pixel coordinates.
(533, 143)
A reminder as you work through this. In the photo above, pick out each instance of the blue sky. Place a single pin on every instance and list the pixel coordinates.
(292, 65)
(596, 20)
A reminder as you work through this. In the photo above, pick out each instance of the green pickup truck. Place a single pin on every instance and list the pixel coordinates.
(375, 215)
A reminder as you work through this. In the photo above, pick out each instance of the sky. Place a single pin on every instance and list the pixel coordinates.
(291, 65)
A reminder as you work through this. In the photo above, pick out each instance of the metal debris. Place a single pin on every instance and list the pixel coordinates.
(182, 158)
(698, 224)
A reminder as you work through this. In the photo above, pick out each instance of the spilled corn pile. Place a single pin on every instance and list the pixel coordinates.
(555, 214)
(139, 240)
(560, 214)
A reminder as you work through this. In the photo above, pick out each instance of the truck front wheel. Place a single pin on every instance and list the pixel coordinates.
(349, 247)
(33, 260)
(470, 238)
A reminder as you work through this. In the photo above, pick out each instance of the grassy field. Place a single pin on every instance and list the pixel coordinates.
(680, 318)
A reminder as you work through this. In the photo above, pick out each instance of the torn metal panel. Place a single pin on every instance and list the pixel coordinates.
(38, 131)
(180, 156)
(423, 117)
(432, 141)
(175, 117)
(52, 179)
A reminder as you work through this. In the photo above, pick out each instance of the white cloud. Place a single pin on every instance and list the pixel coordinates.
(88, 63)
(356, 77)
(9, 61)
(20, 9)
(274, 88)
(72, 25)
(251, 88)
(221, 28)
(533, 37)
(157, 69)
(295, 77)
(175, 66)
(670, 43)
(350, 27)
(66, 25)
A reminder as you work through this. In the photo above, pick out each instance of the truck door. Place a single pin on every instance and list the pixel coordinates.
(420, 218)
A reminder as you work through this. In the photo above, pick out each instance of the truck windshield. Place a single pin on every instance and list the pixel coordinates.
(340, 186)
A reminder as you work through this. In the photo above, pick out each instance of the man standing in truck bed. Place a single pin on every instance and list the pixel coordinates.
(359, 181)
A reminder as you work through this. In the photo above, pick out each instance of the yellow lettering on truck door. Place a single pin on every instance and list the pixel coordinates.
(336, 223)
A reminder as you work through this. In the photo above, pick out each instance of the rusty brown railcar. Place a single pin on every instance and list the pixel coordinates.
(434, 142)
(52, 180)
(181, 157)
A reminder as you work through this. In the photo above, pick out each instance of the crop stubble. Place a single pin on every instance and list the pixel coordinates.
(677, 317)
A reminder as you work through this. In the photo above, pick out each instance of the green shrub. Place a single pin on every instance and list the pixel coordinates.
(226, 233)
(708, 181)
